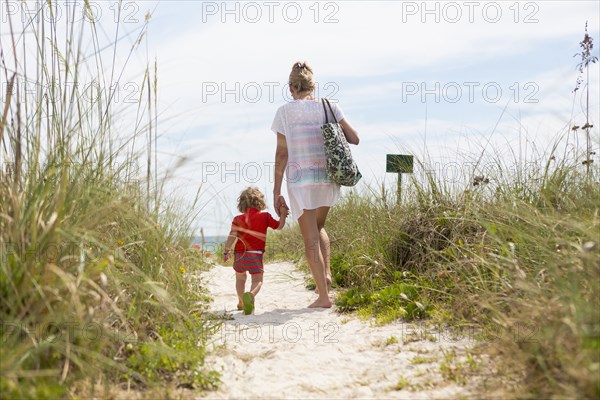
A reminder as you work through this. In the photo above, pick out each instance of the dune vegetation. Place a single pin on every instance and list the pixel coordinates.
(96, 283)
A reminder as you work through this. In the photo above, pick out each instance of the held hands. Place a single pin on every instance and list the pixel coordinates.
(283, 211)
(280, 204)
(225, 256)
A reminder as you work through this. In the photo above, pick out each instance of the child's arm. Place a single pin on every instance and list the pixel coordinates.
(229, 242)
(283, 213)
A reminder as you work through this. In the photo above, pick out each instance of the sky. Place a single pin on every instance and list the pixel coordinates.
(445, 80)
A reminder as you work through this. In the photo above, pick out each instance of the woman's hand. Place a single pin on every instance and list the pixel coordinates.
(279, 202)
(284, 211)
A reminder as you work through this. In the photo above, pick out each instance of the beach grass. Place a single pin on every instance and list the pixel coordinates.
(97, 279)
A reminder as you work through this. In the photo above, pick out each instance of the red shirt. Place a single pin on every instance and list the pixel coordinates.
(252, 229)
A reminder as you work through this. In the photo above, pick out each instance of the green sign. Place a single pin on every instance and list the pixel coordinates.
(399, 163)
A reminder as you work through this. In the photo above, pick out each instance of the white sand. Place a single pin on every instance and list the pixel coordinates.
(285, 350)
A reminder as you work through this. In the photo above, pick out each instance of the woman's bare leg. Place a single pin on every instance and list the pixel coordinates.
(314, 257)
(324, 244)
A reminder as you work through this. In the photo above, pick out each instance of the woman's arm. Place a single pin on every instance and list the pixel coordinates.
(349, 132)
(281, 160)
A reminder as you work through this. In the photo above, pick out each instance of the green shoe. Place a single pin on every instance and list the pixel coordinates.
(248, 303)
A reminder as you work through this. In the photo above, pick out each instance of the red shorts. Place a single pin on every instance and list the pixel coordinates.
(248, 262)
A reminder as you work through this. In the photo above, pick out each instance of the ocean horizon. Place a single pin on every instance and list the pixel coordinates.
(211, 243)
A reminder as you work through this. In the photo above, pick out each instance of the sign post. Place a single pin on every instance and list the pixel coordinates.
(400, 164)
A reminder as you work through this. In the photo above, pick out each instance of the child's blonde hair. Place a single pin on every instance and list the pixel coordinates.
(252, 197)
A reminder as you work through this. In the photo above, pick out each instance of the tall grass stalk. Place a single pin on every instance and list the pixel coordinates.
(587, 45)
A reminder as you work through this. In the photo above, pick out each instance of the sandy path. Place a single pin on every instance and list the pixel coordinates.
(285, 350)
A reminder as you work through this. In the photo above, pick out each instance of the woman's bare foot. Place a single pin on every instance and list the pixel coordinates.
(321, 303)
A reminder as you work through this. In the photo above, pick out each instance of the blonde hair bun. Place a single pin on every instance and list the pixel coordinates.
(301, 77)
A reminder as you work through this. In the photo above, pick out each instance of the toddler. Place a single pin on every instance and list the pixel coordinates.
(249, 233)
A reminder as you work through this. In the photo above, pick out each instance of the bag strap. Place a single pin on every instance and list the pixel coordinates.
(325, 111)
(330, 109)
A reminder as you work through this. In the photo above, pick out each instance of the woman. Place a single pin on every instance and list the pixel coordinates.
(301, 154)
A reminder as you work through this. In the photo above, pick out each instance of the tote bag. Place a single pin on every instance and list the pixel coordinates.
(341, 168)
